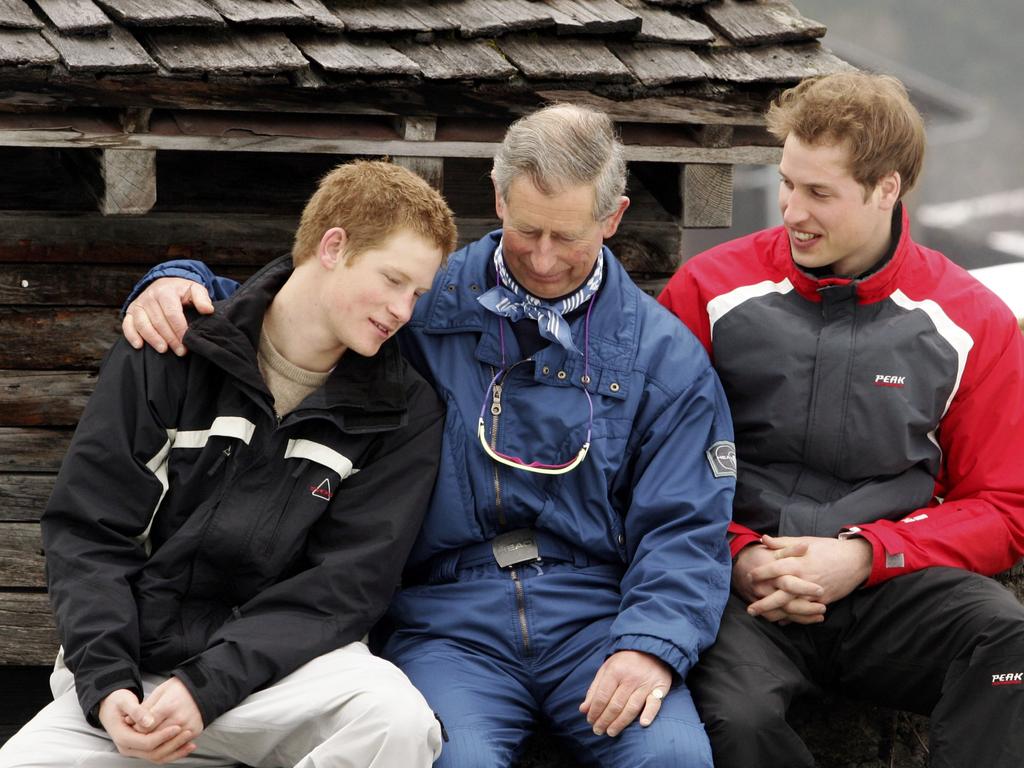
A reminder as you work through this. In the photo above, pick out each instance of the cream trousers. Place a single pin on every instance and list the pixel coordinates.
(345, 709)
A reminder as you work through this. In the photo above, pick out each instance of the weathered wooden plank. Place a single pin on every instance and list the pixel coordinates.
(32, 450)
(15, 14)
(564, 59)
(27, 633)
(665, 109)
(490, 18)
(78, 285)
(25, 46)
(363, 146)
(318, 13)
(380, 17)
(760, 22)
(457, 59)
(677, 3)
(115, 52)
(430, 168)
(235, 239)
(595, 17)
(341, 55)
(707, 196)
(657, 64)
(772, 63)
(225, 53)
(122, 181)
(76, 17)
(661, 26)
(270, 12)
(166, 13)
(45, 339)
(23, 497)
(43, 398)
(21, 560)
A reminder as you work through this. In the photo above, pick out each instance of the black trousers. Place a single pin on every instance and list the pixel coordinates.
(941, 642)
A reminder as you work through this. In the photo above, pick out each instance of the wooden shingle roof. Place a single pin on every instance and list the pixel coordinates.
(471, 66)
(639, 46)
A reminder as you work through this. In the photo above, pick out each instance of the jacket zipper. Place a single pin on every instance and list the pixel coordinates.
(495, 412)
(521, 608)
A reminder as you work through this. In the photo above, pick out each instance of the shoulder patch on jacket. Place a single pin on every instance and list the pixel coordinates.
(722, 458)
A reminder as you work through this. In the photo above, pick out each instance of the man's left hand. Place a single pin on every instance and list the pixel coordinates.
(623, 688)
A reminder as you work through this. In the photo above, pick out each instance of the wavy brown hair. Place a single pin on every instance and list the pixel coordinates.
(371, 201)
(870, 114)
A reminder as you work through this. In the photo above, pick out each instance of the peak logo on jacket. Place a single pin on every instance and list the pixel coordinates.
(322, 491)
(1008, 678)
(889, 380)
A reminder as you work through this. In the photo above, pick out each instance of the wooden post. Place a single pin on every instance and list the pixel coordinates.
(707, 189)
(123, 181)
(421, 129)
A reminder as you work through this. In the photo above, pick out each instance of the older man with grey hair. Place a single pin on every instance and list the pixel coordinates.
(573, 562)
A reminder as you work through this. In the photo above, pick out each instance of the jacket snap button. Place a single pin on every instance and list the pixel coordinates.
(545, 370)
(561, 374)
(585, 379)
(451, 288)
(614, 386)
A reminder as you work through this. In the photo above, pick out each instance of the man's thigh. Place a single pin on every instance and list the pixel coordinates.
(335, 710)
(906, 635)
(485, 710)
(60, 737)
(675, 738)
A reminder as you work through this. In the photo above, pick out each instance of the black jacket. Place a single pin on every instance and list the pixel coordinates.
(191, 533)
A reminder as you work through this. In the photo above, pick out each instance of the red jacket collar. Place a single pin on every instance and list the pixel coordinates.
(875, 287)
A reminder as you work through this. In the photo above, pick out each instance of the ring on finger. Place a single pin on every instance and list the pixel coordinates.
(658, 694)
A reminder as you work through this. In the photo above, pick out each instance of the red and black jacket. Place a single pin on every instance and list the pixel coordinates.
(891, 405)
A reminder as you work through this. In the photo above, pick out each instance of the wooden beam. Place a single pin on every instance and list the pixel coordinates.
(23, 497)
(21, 555)
(43, 398)
(123, 181)
(27, 634)
(79, 139)
(421, 129)
(32, 450)
(707, 195)
(49, 339)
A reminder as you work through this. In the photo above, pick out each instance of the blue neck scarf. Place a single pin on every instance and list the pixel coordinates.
(511, 300)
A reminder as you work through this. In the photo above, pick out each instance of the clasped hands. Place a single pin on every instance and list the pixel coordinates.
(161, 729)
(794, 578)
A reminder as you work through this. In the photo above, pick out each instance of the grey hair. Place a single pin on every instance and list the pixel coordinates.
(561, 146)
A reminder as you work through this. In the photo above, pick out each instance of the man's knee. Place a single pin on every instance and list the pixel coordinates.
(472, 748)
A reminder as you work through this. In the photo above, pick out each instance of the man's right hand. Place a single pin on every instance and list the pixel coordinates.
(120, 710)
(157, 317)
(784, 598)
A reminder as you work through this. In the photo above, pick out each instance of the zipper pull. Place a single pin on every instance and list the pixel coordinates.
(225, 454)
(496, 400)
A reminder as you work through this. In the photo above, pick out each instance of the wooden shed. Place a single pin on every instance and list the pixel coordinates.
(135, 131)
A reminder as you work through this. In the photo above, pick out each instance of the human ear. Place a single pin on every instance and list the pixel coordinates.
(331, 251)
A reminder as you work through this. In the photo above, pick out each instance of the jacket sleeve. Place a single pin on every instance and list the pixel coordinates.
(979, 523)
(677, 580)
(354, 558)
(109, 487)
(196, 271)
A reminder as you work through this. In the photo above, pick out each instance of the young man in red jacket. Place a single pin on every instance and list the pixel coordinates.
(878, 397)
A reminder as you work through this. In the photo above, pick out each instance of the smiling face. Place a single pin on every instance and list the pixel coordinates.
(830, 220)
(551, 242)
(366, 298)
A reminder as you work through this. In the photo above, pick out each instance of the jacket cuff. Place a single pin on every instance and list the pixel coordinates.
(738, 541)
(670, 653)
(198, 683)
(95, 688)
(190, 270)
(884, 564)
